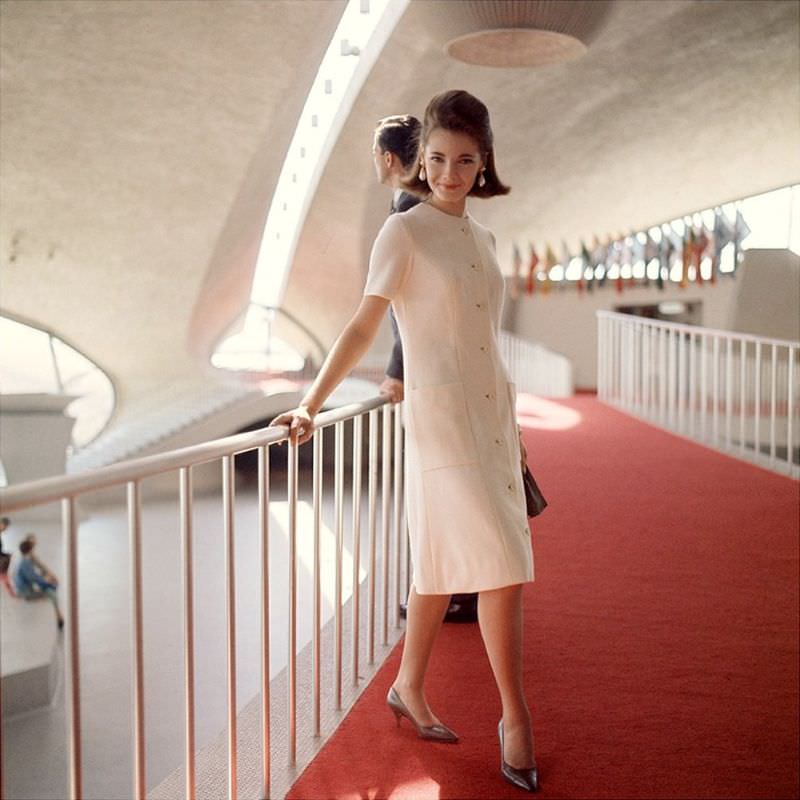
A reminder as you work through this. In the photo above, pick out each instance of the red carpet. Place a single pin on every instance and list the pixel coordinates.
(661, 635)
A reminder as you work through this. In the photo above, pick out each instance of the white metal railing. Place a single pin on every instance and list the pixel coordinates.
(382, 419)
(732, 391)
(536, 369)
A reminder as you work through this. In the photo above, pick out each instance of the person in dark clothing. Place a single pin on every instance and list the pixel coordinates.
(394, 151)
(5, 559)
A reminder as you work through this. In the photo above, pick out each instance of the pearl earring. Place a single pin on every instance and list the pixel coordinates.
(482, 179)
(422, 174)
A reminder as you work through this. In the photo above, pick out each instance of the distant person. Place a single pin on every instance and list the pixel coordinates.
(45, 571)
(394, 150)
(30, 582)
(5, 558)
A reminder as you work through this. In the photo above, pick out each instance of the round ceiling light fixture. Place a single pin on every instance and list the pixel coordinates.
(520, 33)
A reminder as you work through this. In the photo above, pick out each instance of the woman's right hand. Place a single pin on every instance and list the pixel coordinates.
(300, 422)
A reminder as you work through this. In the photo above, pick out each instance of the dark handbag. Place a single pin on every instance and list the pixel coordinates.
(534, 499)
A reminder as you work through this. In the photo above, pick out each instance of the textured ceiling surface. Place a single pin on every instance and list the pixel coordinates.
(677, 106)
(140, 142)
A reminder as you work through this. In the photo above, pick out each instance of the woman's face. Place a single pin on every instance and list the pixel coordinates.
(452, 162)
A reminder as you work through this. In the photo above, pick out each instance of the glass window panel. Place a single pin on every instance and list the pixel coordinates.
(26, 363)
(70, 362)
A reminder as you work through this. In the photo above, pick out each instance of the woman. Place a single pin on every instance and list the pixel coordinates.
(465, 499)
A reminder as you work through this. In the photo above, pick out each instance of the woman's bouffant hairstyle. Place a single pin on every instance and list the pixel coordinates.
(461, 112)
(399, 135)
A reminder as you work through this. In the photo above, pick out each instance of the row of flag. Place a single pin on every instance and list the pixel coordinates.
(687, 251)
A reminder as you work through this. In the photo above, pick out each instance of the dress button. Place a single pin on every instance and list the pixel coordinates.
(474, 266)
(483, 349)
(510, 488)
(489, 396)
(498, 441)
(477, 305)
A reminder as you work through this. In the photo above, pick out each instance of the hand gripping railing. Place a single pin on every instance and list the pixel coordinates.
(731, 391)
(382, 418)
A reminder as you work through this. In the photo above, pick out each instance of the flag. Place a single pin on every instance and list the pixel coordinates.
(550, 261)
(565, 261)
(651, 251)
(685, 256)
(700, 245)
(516, 267)
(741, 231)
(723, 235)
(586, 263)
(666, 253)
(532, 264)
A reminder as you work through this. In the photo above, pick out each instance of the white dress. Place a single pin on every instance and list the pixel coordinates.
(464, 496)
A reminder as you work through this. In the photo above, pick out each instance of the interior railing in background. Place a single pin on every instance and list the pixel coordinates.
(734, 392)
(383, 580)
(535, 369)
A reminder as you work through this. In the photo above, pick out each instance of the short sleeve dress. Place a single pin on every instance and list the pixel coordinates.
(465, 500)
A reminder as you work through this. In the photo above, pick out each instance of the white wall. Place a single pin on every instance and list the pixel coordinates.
(760, 299)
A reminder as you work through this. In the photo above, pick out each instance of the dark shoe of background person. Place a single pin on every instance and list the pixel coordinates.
(462, 608)
(527, 778)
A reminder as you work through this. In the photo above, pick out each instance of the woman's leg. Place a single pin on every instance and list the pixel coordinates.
(500, 620)
(423, 619)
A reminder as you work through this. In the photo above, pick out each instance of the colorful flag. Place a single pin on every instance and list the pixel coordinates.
(723, 235)
(566, 258)
(741, 231)
(586, 263)
(686, 254)
(516, 268)
(532, 264)
(550, 261)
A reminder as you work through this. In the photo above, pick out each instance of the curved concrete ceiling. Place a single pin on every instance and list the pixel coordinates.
(141, 141)
(677, 106)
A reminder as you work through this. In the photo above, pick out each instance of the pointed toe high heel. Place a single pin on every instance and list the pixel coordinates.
(527, 778)
(434, 733)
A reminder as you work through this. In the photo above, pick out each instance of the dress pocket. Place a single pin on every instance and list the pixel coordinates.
(441, 426)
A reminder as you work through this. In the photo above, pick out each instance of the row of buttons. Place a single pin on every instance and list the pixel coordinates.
(489, 395)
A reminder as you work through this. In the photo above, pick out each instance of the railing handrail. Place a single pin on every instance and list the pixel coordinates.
(698, 329)
(46, 490)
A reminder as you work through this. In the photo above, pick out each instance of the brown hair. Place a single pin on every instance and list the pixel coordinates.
(459, 111)
(398, 135)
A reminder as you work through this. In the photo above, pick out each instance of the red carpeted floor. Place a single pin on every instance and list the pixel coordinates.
(661, 634)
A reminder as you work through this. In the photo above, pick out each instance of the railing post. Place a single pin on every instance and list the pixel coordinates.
(292, 656)
(317, 634)
(757, 398)
(386, 463)
(373, 510)
(72, 690)
(339, 517)
(137, 639)
(790, 408)
(263, 530)
(230, 609)
(185, 492)
(358, 446)
(773, 394)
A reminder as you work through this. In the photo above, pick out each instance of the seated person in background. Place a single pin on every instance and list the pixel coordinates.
(31, 584)
(45, 571)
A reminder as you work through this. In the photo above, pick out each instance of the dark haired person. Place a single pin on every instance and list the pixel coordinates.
(31, 584)
(394, 151)
(465, 500)
(5, 558)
